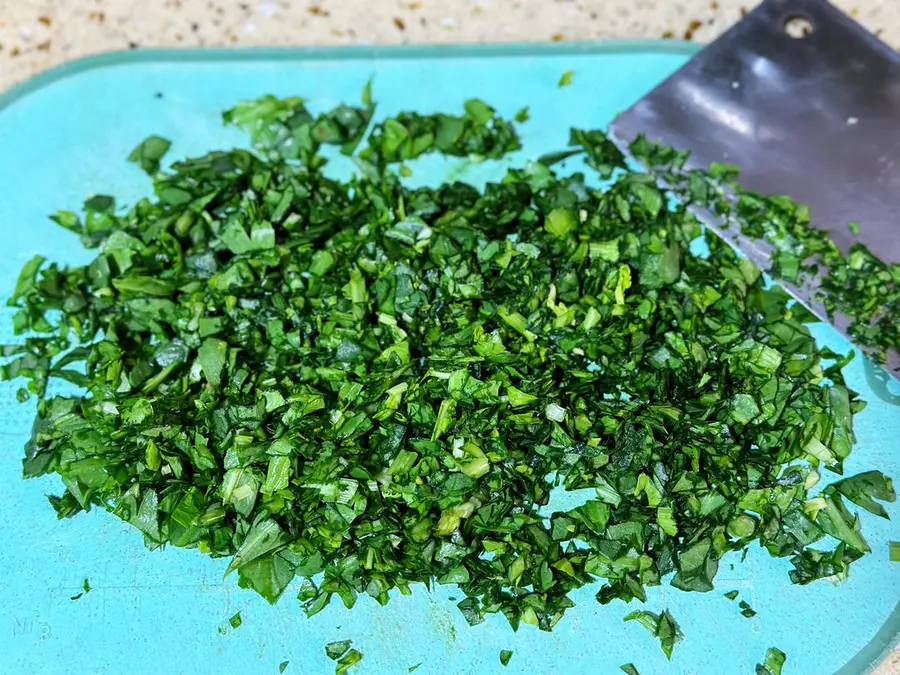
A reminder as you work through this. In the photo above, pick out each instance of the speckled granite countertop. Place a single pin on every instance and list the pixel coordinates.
(38, 34)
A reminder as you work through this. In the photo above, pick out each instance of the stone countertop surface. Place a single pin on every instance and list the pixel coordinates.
(38, 34)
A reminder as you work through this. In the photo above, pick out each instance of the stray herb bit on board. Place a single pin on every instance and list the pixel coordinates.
(565, 79)
(661, 625)
(505, 656)
(414, 668)
(773, 663)
(747, 610)
(335, 650)
(283, 666)
(86, 586)
(629, 669)
(235, 620)
(731, 595)
(894, 551)
(351, 658)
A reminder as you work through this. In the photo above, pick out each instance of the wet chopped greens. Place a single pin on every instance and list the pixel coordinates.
(629, 669)
(365, 385)
(746, 610)
(505, 656)
(235, 620)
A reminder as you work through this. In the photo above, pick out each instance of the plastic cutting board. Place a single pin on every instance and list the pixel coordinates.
(66, 134)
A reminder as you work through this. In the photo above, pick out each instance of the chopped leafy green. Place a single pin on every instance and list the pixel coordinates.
(352, 657)
(505, 656)
(335, 650)
(747, 610)
(855, 283)
(414, 668)
(235, 620)
(149, 153)
(283, 666)
(87, 589)
(566, 78)
(372, 386)
(662, 626)
(629, 669)
(894, 553)
(773, 662)
(731, 595)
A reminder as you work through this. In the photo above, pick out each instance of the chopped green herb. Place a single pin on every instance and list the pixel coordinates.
(351, 658)
(149, 153)
(566, 78)
(747, 610)
(414, 668)
(662, 626)
(505, 656)
(857, 284)
(370, 386)
(335, 650)
(87, 589)
(731, 595)
(235, 620)
(283, 666)
(894, 551)
(773, 663)
(629, 669)
(522, 115)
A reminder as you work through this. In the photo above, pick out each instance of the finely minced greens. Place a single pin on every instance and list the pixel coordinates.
(368, 385)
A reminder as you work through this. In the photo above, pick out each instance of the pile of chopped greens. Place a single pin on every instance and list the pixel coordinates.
(368, 385)
(858, 285)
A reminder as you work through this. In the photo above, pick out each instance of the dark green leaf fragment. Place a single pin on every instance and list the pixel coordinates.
(746, 610)
(662, 626)
(335, 650)
(731, 595)
(505, 656)
(148, 154)
(235, 620)
(283, 666)
(629, 669)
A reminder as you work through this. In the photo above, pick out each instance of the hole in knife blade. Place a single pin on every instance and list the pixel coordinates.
(798, 26)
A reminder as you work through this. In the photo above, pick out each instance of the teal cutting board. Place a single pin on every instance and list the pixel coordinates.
(66, 134)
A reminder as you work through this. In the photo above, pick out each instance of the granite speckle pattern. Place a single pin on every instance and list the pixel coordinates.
(38, 34)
